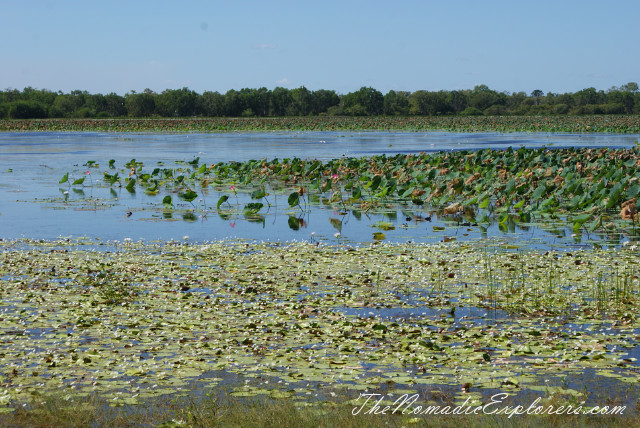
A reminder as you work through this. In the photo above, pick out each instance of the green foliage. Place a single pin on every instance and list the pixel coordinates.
(27, 110)
(471, 111)
(177, 103)
(627, 124)
(258, 194)
(188, 196)
(293, 199)
(111, 287)
(367, 101)
(252, 208)
(396, 103)
(140, 105)
(222, 200)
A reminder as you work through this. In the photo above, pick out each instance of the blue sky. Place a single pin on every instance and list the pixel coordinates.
(119, 46)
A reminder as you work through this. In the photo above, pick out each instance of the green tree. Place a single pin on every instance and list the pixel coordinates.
(566, 99)
(482, 98)
(537, 95)
(63, 106)
(623, 98)
(365, 101)
(10, 95)
(27, 110)
(115, 105)
(280, 101)
(96, 105)
(322, 100)
(429, 103)
(515, 100)
(396, 103)
(177, 103)
(140, 105)
(300, 102)
(255, 100)
(66, 105)
(233, 103)
(631, 87)
(43, 96)
(589, 96)
(458, 101)
(212, 104)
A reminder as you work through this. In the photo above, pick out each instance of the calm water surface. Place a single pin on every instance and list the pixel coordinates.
(32, 204)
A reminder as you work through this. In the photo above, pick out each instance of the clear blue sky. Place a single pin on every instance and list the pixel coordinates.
(511, 45)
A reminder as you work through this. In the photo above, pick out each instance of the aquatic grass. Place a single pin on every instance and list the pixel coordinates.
(220, 410)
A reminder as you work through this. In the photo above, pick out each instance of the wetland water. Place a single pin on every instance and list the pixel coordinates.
(33, 204)
(392, 318)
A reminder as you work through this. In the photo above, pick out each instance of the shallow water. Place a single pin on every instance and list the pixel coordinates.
(34, 205)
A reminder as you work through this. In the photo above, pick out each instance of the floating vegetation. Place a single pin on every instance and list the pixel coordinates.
(586, 190)
(131, 320)
(629, 124)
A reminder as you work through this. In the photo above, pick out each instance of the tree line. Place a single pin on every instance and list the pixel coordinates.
(263, 102)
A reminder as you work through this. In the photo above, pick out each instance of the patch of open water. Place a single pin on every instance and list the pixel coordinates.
(34, 205)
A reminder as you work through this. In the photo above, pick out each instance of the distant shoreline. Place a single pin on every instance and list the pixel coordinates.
(619, 124)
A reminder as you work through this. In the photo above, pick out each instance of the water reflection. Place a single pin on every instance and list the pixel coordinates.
(34, 204)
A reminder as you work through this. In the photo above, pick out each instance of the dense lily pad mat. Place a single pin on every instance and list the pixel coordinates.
(629, 124)
(585, 190)
(142, 320)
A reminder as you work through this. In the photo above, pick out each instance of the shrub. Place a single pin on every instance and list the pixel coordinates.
(83, 112)
(495, 110)
(560, 109)
(471, 111)
(27, 110)
(614, 108)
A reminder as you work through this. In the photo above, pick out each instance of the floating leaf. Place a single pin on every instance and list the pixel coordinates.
(252, 208)
(384, 225)
(294, 199)
(540, 190)
(222, 200)
(188, 196)
(356, 193)
(258, 194)
(374, 183)
(131, 184)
